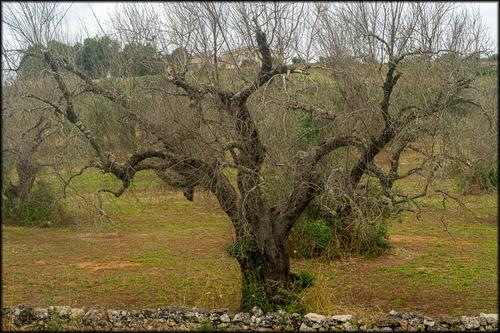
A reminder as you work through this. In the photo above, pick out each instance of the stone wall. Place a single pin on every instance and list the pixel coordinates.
(175, 318)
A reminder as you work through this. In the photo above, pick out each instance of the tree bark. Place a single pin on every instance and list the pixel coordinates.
(26, 172)
(265, 265)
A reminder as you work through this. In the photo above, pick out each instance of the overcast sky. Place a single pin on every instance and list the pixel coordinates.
(489, 14)
(82, 14)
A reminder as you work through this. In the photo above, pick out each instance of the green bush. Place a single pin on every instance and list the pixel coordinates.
(318, 236)
(311, 238)
(375, 239)
(8, 164)
(492, 177)
(319, 233)
(361, 236)
(476, 179)
(43, 208)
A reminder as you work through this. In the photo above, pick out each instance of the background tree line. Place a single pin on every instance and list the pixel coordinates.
(101, 57)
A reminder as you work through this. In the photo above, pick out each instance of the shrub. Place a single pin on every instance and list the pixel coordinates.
(476, 179)
(492, 177)
(319, 233)
(311, 238)
(43, 208)
(371, 239)
(8, 164)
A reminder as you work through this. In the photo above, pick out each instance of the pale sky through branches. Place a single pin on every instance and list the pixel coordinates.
(82, 23)
(81, 15)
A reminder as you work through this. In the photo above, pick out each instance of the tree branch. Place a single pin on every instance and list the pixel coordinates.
(306, 181)
(315, 111)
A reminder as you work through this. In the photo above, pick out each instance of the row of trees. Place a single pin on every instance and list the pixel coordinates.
(101, 57)
(398, 77)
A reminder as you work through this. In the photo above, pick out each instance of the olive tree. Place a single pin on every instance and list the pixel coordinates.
(28, 126)
(203, 118)
(404, 73)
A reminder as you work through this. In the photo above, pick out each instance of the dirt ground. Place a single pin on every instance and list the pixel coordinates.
(161, 250)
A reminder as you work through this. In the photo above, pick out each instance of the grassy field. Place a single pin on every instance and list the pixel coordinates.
(160, 249)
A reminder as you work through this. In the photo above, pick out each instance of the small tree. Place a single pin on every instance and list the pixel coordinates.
(29, 130)
(28, 125)
(180, 56)
(96, 56)
(426, 65)
(140, 59)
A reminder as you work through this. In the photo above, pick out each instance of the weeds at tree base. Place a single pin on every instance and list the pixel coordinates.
(320, 238)
(286, 299)
(240, 250)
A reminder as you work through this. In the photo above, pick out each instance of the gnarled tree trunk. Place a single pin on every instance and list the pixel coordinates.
(264, 264)
(26, 172)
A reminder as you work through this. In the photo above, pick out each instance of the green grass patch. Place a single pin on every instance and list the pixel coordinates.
(155, 258)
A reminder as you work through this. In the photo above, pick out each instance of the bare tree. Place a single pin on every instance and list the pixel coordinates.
(425, 57)
(34, 25)
(27, 125)
(27, 25)
(204, 117)
(27, 130)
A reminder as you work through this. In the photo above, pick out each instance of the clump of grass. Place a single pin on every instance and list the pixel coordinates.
(258, 297)
(55, 323)
(204, 326)
(240, 250)
(303, 279)
(282, 297)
